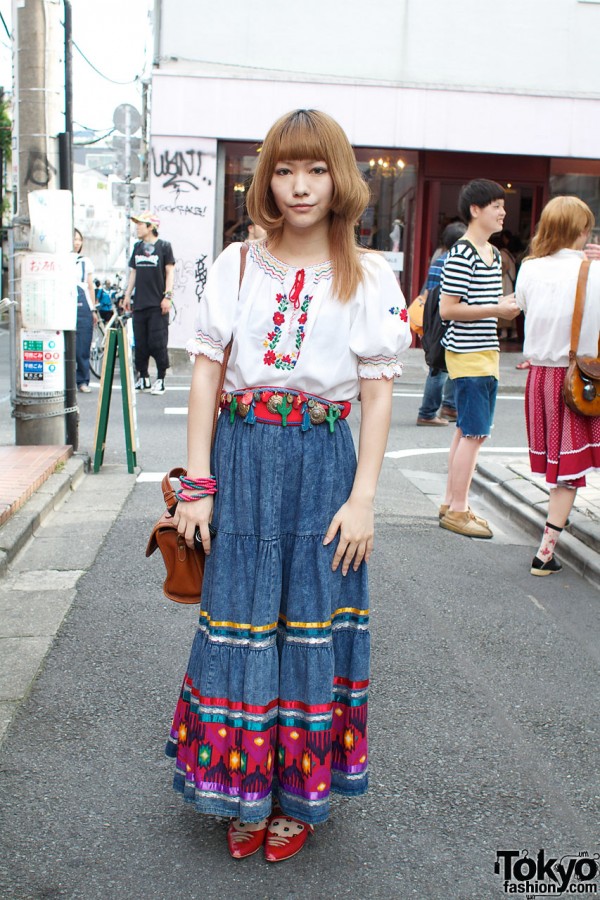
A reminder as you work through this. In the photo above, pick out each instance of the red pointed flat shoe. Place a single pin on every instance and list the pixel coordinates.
(285, 837)
(245, 838)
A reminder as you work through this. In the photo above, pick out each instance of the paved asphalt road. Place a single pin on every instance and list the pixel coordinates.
(483, 724)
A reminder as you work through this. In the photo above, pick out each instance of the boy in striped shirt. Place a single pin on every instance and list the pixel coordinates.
(471, 300)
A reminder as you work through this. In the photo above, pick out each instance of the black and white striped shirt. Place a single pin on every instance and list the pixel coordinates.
(467, 276)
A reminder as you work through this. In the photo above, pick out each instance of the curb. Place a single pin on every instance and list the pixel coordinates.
(21, 526)
(523, 502)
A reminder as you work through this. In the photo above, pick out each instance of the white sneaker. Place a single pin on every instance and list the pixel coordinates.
(158, 387)
(142, 384)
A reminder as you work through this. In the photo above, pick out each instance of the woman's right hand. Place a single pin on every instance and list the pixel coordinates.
(192, 515)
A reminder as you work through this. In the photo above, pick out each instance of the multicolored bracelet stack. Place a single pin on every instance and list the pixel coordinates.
(200, 487)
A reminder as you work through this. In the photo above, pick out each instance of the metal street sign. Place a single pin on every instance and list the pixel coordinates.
(126, 119)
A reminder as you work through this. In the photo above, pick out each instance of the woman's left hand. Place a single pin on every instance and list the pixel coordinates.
(592, 251)
(355, 521)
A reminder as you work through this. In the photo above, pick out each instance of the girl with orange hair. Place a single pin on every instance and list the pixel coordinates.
(563, 445)
(272, 716)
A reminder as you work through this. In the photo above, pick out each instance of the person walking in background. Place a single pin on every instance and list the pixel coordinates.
(272, 716)
(563, 446)
(438, 390)
(152, 274)
(471, 300)
(86, 315)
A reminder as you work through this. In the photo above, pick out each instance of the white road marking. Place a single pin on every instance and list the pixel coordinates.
(394, 454)
(175, 410)
(536, 602)
(420, 394)
(423, 451)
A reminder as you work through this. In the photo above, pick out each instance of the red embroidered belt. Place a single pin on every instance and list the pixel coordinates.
(278, 407)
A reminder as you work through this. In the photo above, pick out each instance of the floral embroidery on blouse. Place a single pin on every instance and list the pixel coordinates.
(399, 311)
(280, 360)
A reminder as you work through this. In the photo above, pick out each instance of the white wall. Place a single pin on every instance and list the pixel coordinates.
(531, 46)
(380, 116)
(182, 192)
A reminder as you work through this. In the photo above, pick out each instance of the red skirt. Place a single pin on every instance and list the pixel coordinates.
(563, 446)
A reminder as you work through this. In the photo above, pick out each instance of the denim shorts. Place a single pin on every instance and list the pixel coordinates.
(475, 404)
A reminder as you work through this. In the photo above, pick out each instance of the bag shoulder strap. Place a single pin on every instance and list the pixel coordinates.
(243, 254)
(579, 305)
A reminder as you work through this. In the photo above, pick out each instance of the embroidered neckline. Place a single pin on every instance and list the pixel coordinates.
(279, 270)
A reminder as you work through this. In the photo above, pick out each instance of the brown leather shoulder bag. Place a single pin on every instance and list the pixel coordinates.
(581, 388)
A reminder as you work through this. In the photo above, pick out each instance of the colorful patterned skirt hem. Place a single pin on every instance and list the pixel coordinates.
(274, 702)
(563, 446)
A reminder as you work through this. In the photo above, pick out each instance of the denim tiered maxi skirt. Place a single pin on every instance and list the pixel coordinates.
(274, 701)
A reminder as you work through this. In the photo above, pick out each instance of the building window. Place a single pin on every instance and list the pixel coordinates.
(579, 178)
(387, 224)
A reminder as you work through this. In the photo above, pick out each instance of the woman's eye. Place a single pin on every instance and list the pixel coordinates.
(319, 170)
(282, 171)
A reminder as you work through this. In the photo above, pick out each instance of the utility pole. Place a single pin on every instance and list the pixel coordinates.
(65, 140)
(37, 33)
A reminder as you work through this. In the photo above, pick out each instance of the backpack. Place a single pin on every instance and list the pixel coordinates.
(434, 329)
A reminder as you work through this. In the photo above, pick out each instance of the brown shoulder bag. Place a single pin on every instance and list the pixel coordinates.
(185, 567)
(581, 388)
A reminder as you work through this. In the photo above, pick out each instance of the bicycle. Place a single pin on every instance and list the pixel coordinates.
(102, 326)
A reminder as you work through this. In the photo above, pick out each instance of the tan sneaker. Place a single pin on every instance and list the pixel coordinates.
(465, 523)
(444, 509)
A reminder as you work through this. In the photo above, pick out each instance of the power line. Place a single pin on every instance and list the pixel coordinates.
(5, 26)
(102, 75)
(95, 140)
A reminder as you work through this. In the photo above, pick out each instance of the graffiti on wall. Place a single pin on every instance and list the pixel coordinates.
(40, 170)
(182, 192)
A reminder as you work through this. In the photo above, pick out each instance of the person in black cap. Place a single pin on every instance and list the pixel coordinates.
(152, 273)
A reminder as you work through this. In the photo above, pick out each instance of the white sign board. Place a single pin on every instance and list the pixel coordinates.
(48, 291)
(396, 260)
(42, 361)
(51, 216)
(182, 193)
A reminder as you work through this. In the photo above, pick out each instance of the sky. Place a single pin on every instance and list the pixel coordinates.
(115, 37)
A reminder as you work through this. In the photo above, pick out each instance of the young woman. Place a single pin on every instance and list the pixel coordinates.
(563, 446)
(86, 315)
(273, 711)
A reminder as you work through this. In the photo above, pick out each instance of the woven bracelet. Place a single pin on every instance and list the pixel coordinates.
(189, 498)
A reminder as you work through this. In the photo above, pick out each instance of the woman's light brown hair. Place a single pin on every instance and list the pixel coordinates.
(310, 134)
(562, 222)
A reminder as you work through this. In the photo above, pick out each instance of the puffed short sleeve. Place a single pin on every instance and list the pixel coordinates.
(216, 310)
(380, 330)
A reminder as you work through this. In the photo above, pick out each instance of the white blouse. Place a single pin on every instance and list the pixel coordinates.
(545, 291)
(290, 331)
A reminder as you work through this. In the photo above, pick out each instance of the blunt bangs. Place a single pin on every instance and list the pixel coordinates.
(300, 138)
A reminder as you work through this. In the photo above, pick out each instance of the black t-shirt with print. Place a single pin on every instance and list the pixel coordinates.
(149, 261)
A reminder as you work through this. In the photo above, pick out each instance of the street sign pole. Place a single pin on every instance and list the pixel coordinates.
(127, 121)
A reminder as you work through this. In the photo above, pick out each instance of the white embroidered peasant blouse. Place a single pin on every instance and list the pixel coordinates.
(289, 331)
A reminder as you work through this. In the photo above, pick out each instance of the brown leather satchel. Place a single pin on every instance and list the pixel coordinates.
(185, 567)
(581, 388)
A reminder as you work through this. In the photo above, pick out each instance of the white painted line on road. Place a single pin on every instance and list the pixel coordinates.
(536, 602)
(175, 410)
(420, 394)
(150, 477)
(423, 451)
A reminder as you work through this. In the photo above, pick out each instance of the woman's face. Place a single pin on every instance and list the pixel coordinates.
(303, 191)
(77, 242)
